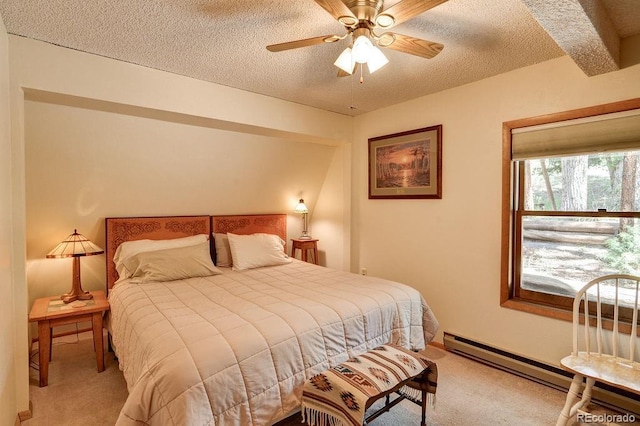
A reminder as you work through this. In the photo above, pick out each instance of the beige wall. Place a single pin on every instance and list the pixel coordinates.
(8, 407)
(84, 165)
(450, 249)
(115, 147)
(330, 220)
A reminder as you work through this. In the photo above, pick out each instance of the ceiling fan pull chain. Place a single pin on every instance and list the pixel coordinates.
(351, 84)
(352, 106)
(361, 76)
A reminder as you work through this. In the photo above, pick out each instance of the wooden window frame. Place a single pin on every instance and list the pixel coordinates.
(511, 296)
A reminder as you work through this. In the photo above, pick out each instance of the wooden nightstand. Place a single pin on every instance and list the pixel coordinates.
(304, 246)
(50, 312)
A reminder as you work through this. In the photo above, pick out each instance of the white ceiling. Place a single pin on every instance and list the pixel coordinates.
(223, 41)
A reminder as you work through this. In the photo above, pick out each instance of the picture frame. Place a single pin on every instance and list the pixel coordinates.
(406, 164)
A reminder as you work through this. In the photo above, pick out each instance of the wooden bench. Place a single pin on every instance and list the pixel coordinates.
(343, 393)
(420, 383)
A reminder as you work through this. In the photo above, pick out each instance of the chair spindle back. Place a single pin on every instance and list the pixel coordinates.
(607, 291)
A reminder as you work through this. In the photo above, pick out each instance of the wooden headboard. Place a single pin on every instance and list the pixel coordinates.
(251, 224)
(121, 229)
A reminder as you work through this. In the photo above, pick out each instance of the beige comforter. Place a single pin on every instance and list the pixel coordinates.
(236, 348)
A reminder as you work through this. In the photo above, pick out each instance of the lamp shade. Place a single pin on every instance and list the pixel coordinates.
(345, 61)
(362, 48)
(301, 207)
(376, 60)
(75, 245)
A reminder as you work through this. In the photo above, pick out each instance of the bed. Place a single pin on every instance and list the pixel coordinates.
(235, 346)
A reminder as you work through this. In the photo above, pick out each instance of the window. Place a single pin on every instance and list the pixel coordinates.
(571, 195)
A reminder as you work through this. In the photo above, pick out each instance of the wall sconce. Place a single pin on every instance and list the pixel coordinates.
(76, 246)
(304, 211)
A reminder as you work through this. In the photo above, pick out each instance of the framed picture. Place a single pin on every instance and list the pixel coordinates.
(407, 164)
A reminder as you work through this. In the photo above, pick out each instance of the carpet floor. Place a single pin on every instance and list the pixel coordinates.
(469, 393)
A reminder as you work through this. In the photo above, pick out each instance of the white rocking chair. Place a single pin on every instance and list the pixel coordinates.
(602, 360)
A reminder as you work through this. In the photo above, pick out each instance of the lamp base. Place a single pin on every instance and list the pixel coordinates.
(76, 293)
(68, 297)
(305, 236)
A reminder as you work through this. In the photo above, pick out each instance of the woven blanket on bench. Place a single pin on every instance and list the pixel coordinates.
(339, 396)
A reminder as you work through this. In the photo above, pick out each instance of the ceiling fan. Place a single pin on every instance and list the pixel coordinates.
(361, 19)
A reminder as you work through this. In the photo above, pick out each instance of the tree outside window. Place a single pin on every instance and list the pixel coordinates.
(570, 229)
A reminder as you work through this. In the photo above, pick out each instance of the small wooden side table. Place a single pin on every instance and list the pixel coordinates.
(304, 246)
(51, 312)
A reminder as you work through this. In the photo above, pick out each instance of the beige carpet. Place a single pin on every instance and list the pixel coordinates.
(469, 393)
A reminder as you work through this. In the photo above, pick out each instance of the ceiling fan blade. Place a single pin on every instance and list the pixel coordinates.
(407, 9)
(336, 8)
(302, 43)
(415, 46)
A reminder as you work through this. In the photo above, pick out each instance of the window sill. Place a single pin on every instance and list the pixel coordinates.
(560, 314)
(537, 309)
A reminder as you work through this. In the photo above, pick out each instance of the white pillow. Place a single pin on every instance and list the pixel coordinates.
(131, 248)
(223, 251)
(256, 250)
(172, 264)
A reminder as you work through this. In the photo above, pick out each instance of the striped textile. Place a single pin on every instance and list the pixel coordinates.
(339, 396)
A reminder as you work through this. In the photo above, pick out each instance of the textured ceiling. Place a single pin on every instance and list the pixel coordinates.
(224, 42)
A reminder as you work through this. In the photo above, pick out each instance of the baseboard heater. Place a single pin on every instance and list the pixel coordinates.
(608, 396)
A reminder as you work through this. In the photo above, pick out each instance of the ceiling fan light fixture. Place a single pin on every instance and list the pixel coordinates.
(362, 49)
(384, 20)
(345, 61)
(363, 52)
(376, 60)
